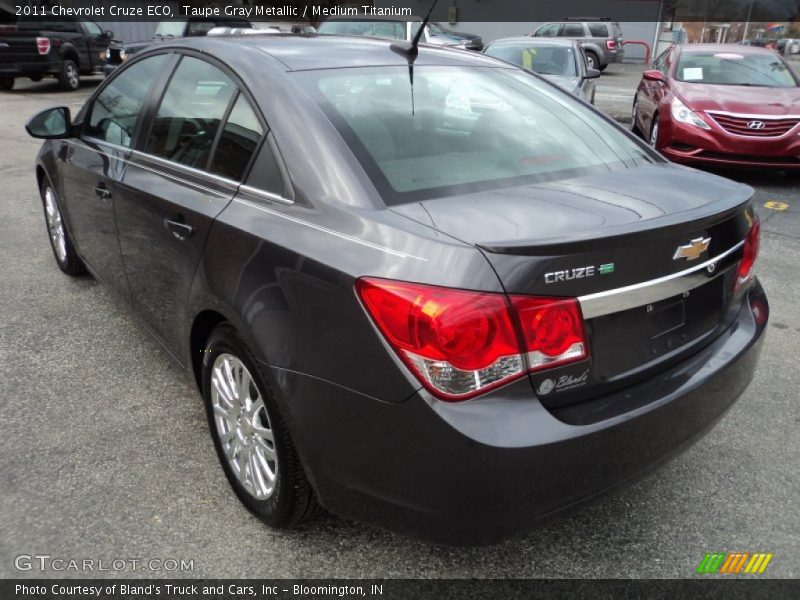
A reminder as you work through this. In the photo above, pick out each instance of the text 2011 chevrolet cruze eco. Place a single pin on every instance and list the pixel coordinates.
(449, 308)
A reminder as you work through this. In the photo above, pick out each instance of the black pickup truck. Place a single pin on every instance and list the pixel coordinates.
(63, 48)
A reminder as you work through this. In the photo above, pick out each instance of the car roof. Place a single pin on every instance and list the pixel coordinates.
(534, 41)
(301, 52)
(734, 48)
(401, 18)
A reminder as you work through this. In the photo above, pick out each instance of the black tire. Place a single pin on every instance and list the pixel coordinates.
(652, 138)
(634, 126)
(6, 84)
(36, 78)
(67, 258)
(292, 499)
(594, 62)
(602, 68)
(69, 77)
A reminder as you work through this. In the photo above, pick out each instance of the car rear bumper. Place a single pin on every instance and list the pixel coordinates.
(485, 470)
(691, 145)
(28, 68)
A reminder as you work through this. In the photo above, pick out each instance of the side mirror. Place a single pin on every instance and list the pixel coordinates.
(52, 123)
(654, 75)
(592, 73)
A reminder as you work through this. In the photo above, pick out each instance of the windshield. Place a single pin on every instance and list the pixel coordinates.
(470, 129)
(385, 29)
(730, 68)
(170, 29)
(547, 60)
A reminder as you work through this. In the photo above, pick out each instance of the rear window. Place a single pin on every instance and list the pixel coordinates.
(465, 129)
(31, 24)
(546, 60)
(598, 30)
(384, 29)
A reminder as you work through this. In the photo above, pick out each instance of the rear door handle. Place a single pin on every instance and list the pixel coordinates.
(179, 228)
(102, 192)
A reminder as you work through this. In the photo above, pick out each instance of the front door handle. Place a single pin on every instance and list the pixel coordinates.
(102, 192)
(179, 228)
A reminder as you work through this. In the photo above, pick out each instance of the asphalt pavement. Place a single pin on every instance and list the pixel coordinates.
(105, 452)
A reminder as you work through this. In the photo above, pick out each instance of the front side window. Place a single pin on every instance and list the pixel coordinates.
(92, 28)
(190, 113)
(470, 129)
(114, 113)
(550, 30)
(732, 68)
(238, 141)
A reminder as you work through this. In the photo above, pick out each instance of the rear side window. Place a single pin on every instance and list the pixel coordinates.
(572, 30)
(549, 30)
(598, 30)
(191, 113)
(114, 112)
(238, 141)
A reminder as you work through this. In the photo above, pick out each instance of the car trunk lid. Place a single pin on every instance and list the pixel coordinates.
(635, 246)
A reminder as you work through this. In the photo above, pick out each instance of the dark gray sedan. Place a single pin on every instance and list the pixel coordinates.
(561, 61)
(450, 305)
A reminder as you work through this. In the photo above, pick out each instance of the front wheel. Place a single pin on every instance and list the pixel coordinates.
(69, 78)
(654, 133)
(634, 117)
(6, 84)
(66, 257)
(250, 436)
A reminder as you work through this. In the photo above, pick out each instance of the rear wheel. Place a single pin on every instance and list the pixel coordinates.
(602, 68)
(66, 257)
(250, 436)
(594, 62)
(36, 78)
(6, 83)
(654, 132)
(69, 78)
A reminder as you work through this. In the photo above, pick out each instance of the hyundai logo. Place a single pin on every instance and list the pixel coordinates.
(756, 125)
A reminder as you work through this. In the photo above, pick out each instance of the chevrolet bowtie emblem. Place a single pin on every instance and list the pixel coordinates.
(693, 249)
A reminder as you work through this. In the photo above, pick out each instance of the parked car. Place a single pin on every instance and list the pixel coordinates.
(720, 104)
(601, 39)
(392, 28)
(63, 48)
(560, 61)
(170, 30)
(447, 327)
(788, 46)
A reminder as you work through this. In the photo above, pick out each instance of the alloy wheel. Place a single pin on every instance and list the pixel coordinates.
(654, 133)
(55, 225)
(243, 426)
(72, 76)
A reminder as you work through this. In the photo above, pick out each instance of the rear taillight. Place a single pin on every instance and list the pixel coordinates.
(611, 44)
(749, 254)
(43, 45)
(462, 343)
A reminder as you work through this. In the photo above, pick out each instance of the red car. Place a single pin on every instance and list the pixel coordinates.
(722, 105)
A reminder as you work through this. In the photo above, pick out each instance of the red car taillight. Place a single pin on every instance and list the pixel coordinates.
(611, 44)
(749, 254)
(461, 343)
(43, 45)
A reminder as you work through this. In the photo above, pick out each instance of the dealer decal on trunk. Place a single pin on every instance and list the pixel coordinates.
(565, 382)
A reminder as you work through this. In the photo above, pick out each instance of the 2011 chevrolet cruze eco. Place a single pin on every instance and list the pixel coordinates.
(449, 308)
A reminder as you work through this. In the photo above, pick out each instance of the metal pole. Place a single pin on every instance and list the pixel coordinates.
(747, 21)
(658, 28)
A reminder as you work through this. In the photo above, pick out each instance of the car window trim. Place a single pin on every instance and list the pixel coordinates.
(85, 116)
(223, 122)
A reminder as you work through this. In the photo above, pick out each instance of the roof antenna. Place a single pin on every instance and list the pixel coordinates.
(411, 49)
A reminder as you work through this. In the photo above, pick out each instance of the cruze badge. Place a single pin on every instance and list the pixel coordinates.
(579, 273)
(693, 249)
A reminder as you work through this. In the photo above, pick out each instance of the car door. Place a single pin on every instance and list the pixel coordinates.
(186, 169)
(652, 92)
(96, 43)
(95, 162)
